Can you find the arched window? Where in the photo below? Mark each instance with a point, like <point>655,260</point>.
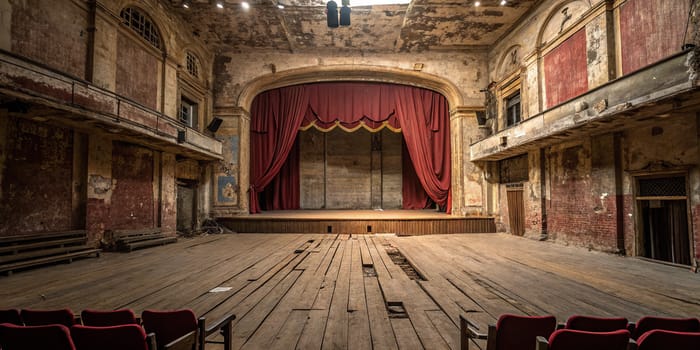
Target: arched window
<point>192,63</point>
<point>141,24</point>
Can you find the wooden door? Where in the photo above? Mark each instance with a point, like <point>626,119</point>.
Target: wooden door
<point>516,209</point>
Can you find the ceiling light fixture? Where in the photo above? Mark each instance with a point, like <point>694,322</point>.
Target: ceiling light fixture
<point>503,2</point>
<point>245,5</point>
<point>359,3</point>
<point>477,3</point>
<point>280,6</point>
<point>220,4</point>
<point>186,4</point>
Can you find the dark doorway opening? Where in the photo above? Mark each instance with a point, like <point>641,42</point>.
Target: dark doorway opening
<point>663,206</point>
<point>186,206</point>
<point>516,209</point>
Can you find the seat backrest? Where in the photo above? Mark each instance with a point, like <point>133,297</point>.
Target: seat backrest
<point>10,316</point>
<point>130,336</point>
<point>596,324</point>
<point>169,325</point>
<point>54,337</point>
<point>515,332</point>
<point>649,323</point>
<point>99,318</point>
<point>44,317</point>
<point>569,339</point>
<point>663,339</point>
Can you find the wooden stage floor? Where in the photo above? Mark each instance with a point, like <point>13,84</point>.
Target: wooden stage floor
<point>314,291</point>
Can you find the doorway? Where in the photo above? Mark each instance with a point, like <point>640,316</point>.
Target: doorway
<point>186,206</point>
<point>663,221</point>
<point>516,209</point>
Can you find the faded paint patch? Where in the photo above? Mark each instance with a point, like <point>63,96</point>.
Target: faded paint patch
<point>565,70</point>
<point>227,190</point>
<point>99,185</point>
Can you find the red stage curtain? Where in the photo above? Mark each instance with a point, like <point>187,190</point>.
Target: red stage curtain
<point>424,118</point>
<point>420,114</point>
<point>276,117</point>
<point>412,193</point>
<point>282,193</point>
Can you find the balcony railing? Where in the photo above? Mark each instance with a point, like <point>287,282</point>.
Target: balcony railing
<point>604,105</point>
<point>33,81</point>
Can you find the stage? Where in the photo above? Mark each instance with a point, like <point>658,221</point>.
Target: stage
<point>399,222</point>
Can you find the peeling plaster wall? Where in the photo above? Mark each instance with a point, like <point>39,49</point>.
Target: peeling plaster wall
<point>168,193</point>
<point>674,142</point>
<point>234,71</point>
<point>581,209</point>
<point>36,164</point>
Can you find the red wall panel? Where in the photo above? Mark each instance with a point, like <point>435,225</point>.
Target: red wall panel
<point>137,72</point>
<point>132,198</point>
<point>566,70</point>
<point>55,38</point>
<point>36,179</point>
<point>650,30</point>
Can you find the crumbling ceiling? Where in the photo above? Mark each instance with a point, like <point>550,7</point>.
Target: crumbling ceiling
<point>421,25</point>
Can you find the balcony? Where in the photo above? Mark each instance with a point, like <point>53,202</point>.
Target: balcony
<point>667,88</point>
<point>55,97</point>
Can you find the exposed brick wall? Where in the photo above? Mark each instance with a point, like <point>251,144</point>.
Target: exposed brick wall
<point>579,211</point>
<point>36,182</point>
<point>566,70</point>
<point>132,197</point>
<point>650,30</point>
<point>137,72</point>
<point>53,33</point>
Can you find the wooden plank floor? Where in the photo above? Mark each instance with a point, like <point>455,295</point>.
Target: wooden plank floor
<point>320,291</point>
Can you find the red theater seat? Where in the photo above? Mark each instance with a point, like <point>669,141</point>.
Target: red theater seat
<point>98,318</point>
<point>511,332</point>
<point>569,339</point>
<point>54,337</point>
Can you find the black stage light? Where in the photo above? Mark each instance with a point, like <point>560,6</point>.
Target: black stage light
<point>332,14</point>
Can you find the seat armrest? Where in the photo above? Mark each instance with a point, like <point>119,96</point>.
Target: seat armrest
<point>151,341</point>
<point>226,320</point>
<point>185,342</point>
<point>561,325</point>
<point>225,325</point>
<point>632,345</point>
<point>541,343</point>
<point>470,329</point>
<point>467,331</point>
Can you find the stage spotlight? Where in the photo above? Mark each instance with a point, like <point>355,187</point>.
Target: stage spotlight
<point>345,13</point>
<point>332,14</point>
<point>186,4</point>
<point>220,4</point>
<point>477,3</point>
<point>503,2</point>
<point>245,5</point>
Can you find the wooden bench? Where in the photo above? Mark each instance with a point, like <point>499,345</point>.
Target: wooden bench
<point>128,240</point>
<point>21,251</point>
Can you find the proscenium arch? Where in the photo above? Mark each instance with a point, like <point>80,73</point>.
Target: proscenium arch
<point>366,73</point>
<point>350,73</point>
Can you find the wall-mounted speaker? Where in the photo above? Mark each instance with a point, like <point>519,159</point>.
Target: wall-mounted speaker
<point>215,124</point>
<point>180,136</point>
